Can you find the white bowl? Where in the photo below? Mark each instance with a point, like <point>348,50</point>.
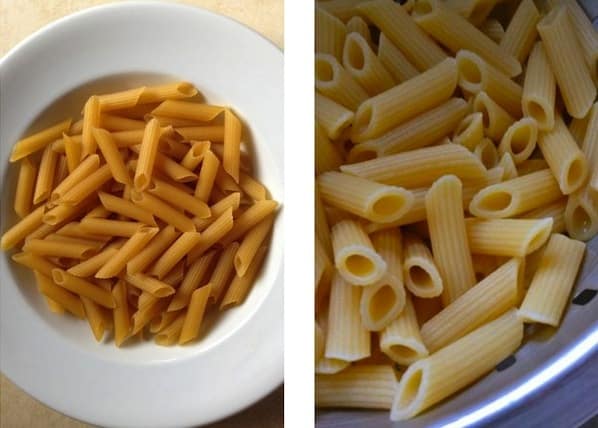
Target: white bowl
<point>56,359</point>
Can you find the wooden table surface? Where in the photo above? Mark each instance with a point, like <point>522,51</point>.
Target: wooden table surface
<point>18,19</point>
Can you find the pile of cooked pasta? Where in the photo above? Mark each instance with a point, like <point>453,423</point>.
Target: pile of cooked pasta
<point>141,216</point>
<point>449,173</point>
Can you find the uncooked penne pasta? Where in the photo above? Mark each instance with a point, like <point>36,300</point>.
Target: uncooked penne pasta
<point>496,119</point>
<point>516,196</point>
<point>152,285</point>
<point>83,288</point>
<point>429,380</point>
<point>347,338</point>
<point>223,271</point>
<point>567,61</point>
<point>95,318</point>
<point>333,81</point>
<point>38,141</point>
<point>539,89</point>
<point>581,215</point>
<point>91,119</point>
<point>170,335</point>
<point>25,187</point>
<point>24,227</point>
<point>112,156</point>
<point>72,150</point>
<point>394,60</point>
<point>67,300</point>
<point>470,130</point>
<point>354,255</point>
<point>421,275</point>
<point>90,266</point>
<point>330,33</point>
<point>147,155</point>
<point>83,189</point>
<point>448,236</point>
<point>178,198</point>
<point>179,249</point>
<point>219,229</point>
<point>195,314</point>
<point>250,245</point>
<point>521,32</point>
<point>163,211</point>
<point>213,133</point>
<point>126,208</point>
<point>240,285</point>
<point>193,279</point>
<point>389,109</point>
<point>566,161</point>
<point>207,175</point>
<point>252,216</point>
<point>45,175</point>
<point>396,24</point>
<point>195,154</point>
<point>84,169</point>
<point>133,246</point>
<point>365,67</point>
<point>122,320</point>
<point>332,117</point>
<point>368,199</point>
<point>551,285</point>
<point>519,140</point>
<point>101,226</point>
<point>231,156</point>
<point>457,33</point>
<point>363,386</point>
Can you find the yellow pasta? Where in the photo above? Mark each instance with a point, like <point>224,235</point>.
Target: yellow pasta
<point>552,283</point>
<point>112,156</point>
<point>72,150</point>
<point>83,189</point>
<point>133,245</point>
<point>163,211</point>
<point>24,227</point>
<point>83,288</point>
<point>45,175</point>
<point>507,163</point>
<point>519,140</point>
<point>476,11</point>
<point>586,35</point>
<point>207,175</point>
<point>101,226</point>
<point>122,320</point>
<point>493,29</point>
<point>46,247</point>
<point>567,61</point>
<point>64,298</point>
<point>152,285</point>
<point>421,275</point>
<point>252,216</point>
<point>147,155</point>
<point>91,119</point>
<point>521,32</point>
<point>554,210</point>
<point>496,119</point>
<point>178,198</point>
<point>25,187</point>
<point>486,152</point>
<point>193,279</point>
<point>470,131</point>
<point>332,117</point>
<point>126,208</point>
<point>394,60</point>
<point>581,215</point>
<point>232,144</point>
<point>330,33</point>
<point>250,244</point>
<point>80,173</point>
<point>90,266</point>
<point>239,287</point>
<point>456,33</point>
<point>195,313</point>
<point>334,82</point>
<point>38,141</point>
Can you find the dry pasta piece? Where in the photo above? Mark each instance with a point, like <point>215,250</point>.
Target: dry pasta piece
<point>45,247</point>
<point>551,285</point>
<point>111,122</point>
<point>214,233</point>
<point>35,263</point>
<point>195,155</point>
<point>122,320</point>
<point>133,245</point>
<point>112,156</point>
<point>90,266</point>
<point>38,141</point>
<point>45,175</point>
<point>586,34</point>
<point>126,208</point>
<point>250,244</point>
<point>581,215</point>
<point>448,236</point>
<point>252,216</point>
<point>330,33</point>
<point>72,150</point>
<point>80,173</point>
<point>231,201</point>
<point>394,60</point>
<point>193,279</point>
<point>25,187</point>
<point>188,110</point>
<point>521,32</point>
<point>419,269</point>
<point>493,29</point>
<point>333,81</point>
<point>179,249</point>
<point>24,227</point>
<point>81,190</point>
<point>170,335</point>
<point>432,379</point>
<point>207,176</point>
<point>91,119</point>
<point>333,118</point>
<point>83,288</point>
<point>195,314</point>
<point>95,318</point>
<point>223,271</point>
<point>163,211</point>
<point>101,226</point>
<point>178,198</point>
<point>475,11</point>
<point>67,300</point>
<point>147,155</point>
<point>213,133</point>
<point>152,285</point>
<point>231,156</point>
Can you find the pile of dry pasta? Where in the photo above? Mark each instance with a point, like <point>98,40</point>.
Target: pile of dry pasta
<point>448,171</point>
<point>141,214</point>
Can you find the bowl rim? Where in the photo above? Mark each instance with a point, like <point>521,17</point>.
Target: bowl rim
<point>269,383</point>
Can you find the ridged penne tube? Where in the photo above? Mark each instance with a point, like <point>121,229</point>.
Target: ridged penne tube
<point>322,227</point>
<point>231,155</point>
<point>539,89</point>
<point>566,161</point>
<point>531,165</point>
<point>25,187</point>
<point>333,81</point>
<point>365,67</point>
<point>421,131</point>
<point>120,100</point>
<point>121,316</point>
<point>91,119</point>
<point>175,253</point>
<point>163,211</point>
<point>147,312</point>
<point>130,248</point>
<point>213,234</point>
<point>147,155</point>
<point>420,167</point>
<point>188,110</point>
<point>84,169</point>
<point>223,270</point>
<point>159,244</point>
<point>173,149</point>
<point>401,340</point>
<point>521,32</point>
<point>328,366</point>
<point>252,188</point>
<point>213,133</point>
<point>168,91</point>
<point>395,61</point>
<point>35,263</point>
<point>178,198</point>
<point>90,266</point>
<point>363,386</point>
<point>368,199</point>
<point>389,109</point>
<point>432,379</point>
<point>101,226</point>
<point>551,285</point>
<point>83,288</point>
<point>477,75</point>
<point>520,139</point>
<point>95,318</point>
<point>24,227</point>
<point>470,130</point>
<point>126,208</point>
<point>252,216</point>
<point>332,117</point>
<point>330,33</point>
<point>195,154</point>
<point>444,208</point>
<point>194,278</point>
<point>398,26</point>
<point>207,175</point>
<point>419,269</point>
<point>111,122</point>
<point>567,61</point>
<point>38,141</point>
<point>240,285</point>
<point>456,33</point>
<point>152,285</point>
<point>170,335</point>
<point>72,150</point>
<point>357,25</point>
<point>581,215</point>
<point>70,302</point>
<point>384,300</point>
<point>112,156</point>
<point>475,11</point>
<point>231,201</point>
<point>496,119</point>
<point>194,315</point>
<point>507,237</point>
<point>163,320</point>
<point>586,34</point>
<point>354,255</point>
<point>493,29</point>
<point>45,175</point>
<point>554,210</point>
<point>516,196</point>
<point>81,190</point>
<point>250,245</point>
<point>342,9</point>
<point>347,338</point>
<point>486,152</point>
<point>507,163</point>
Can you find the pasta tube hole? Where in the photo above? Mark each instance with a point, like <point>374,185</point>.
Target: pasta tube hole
<point>536,111</point>
<point>470,71</point>
<point>382,302</point>
<point>355,56</point>
<point>582,221</point>
<point>420,277</point>
<point>186,89</point>
<point>359,265</point>
<point>422,8</point>
<point>404,353</point>
<point>520,140</point>
<point>363,117</point>
<point>387,205</point>
<point>141,181</point>
<point>496,201</point>
<point>465,124</point>
<point>58,276</point>
<point>324,71</point>
<point>575,174</point>
<point>411,388</point>
<point>362,155</point>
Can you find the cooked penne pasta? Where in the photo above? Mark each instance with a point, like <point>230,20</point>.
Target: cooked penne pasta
<point>493,29</point>
<point>581,215</point>
<point>586,35</point>
<point>539,89</point>
<point>486,152</point>
<point>507,163</point>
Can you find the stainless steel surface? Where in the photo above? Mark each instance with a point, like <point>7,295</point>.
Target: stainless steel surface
<point>553,383</point>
